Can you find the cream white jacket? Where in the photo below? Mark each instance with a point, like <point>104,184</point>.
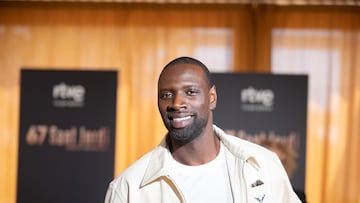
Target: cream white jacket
<point>256,175</point>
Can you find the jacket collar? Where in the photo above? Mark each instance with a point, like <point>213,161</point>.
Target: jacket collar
<point>242,149</point>
<point>156,167</point>
<point>159,157</point>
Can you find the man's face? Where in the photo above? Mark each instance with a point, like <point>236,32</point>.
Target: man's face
<point>185,101</point>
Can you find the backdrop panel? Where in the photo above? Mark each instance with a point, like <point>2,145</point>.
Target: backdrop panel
<point>67,135</point>
<point>267,109</point>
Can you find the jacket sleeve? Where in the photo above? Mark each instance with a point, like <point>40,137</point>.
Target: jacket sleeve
<point>117,191</point>
<point>289,193</point>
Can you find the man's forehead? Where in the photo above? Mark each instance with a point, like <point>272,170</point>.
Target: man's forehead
<point>183,69</point>
<point>183,74</point>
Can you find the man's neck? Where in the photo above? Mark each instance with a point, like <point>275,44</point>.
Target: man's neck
<point>199,151</point>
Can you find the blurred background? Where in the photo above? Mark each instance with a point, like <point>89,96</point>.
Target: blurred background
<point>137,38</point>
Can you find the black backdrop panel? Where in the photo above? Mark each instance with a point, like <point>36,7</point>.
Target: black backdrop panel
<point>67,135</point>
<point>259,106</point>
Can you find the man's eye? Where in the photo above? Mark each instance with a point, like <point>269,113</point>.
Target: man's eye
<point>192,92</point>
<point>166,95</point>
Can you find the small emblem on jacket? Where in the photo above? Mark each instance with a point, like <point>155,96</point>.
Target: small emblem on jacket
<point>257,183</point>
<point>260,198</point>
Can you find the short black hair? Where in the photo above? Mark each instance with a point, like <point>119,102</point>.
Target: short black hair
<point>189,60</point>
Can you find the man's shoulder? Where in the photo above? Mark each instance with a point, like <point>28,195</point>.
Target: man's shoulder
<point>244,149</point>
<point>237,142</point>
<point>135,171</point>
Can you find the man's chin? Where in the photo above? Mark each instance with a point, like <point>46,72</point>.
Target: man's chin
<point>179,134</point>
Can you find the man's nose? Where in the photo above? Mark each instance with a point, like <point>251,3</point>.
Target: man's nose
<point>178,102</point>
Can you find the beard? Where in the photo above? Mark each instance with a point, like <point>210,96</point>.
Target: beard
<point>188,133</point>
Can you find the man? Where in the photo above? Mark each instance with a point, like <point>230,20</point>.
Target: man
<point>196,161</point>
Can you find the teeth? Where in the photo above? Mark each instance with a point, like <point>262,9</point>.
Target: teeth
<point>181,119</point>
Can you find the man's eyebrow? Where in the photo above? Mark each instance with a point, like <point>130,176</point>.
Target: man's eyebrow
<point>165,90</point>
<point>193,85</point>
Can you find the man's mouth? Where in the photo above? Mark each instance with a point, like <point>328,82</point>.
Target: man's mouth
<point>181,122</point>
<point>181,119</point>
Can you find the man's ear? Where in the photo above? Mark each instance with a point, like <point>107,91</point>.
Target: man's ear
<point>213,97</point>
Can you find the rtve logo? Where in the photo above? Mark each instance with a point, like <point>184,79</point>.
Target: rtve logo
<point>257,99</point>
<point>68,95</point>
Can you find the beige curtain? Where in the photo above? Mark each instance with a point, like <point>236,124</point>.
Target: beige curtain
<point>325,44</point>
<point>138,39</point>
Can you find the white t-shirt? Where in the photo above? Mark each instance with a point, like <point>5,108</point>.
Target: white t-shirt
<point>205,183</point>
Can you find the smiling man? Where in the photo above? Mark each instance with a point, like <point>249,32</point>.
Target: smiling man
<point>196,161</point>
